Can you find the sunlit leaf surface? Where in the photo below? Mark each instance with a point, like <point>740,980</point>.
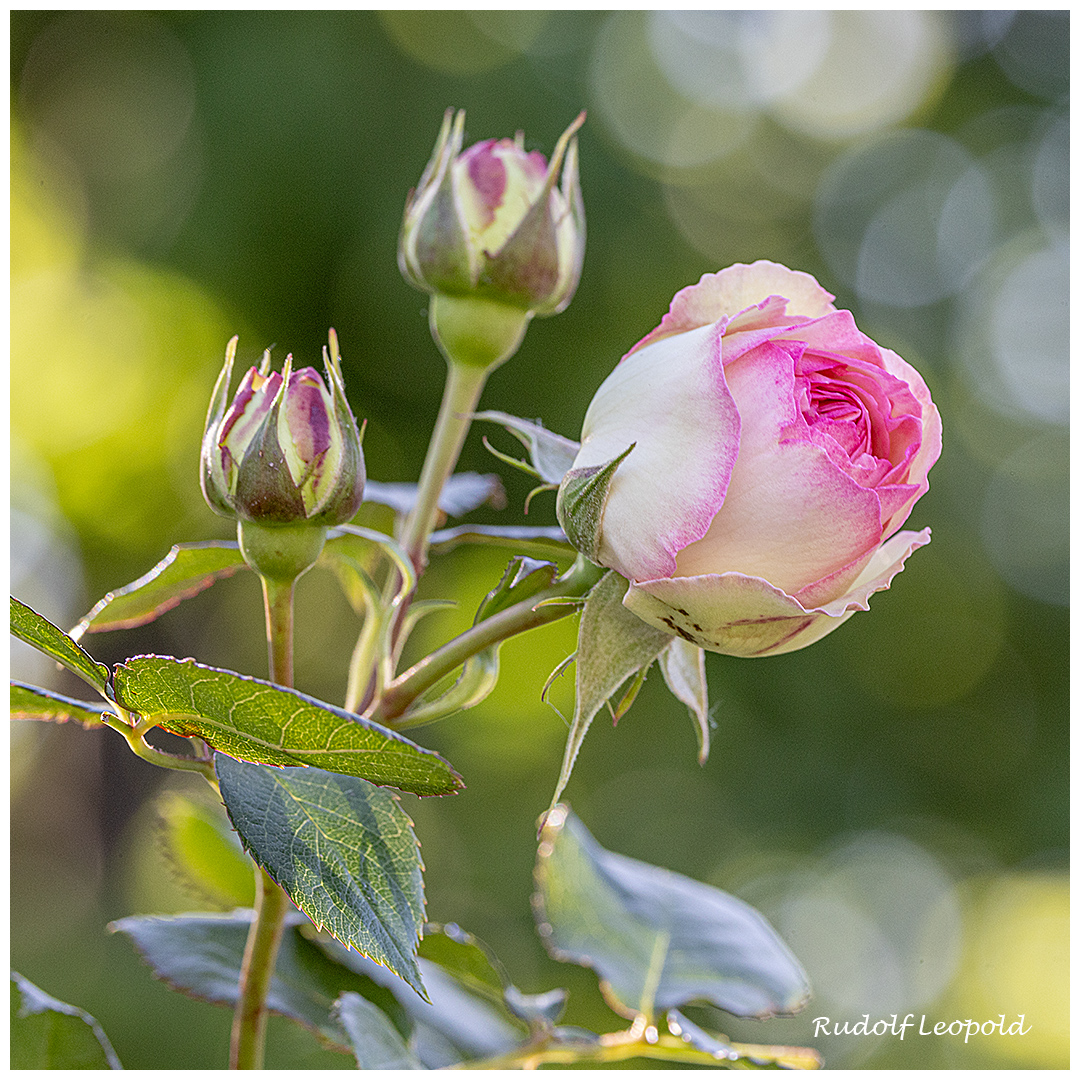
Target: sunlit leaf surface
<point>258,721</point>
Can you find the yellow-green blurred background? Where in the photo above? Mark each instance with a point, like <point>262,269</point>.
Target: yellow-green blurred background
<point>894,799</point>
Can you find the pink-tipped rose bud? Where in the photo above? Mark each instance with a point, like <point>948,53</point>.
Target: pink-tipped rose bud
<point>286,450</point>
<point>776,451</point>
<point>490,222</point>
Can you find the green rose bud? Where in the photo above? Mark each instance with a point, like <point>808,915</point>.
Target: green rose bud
<point>491,223</point>
<point>494,240</point>
<point>286,450</point>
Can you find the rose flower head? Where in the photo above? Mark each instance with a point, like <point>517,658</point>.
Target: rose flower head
<point>285,450</point>
<point>491,222</point>
<point>776,451</point>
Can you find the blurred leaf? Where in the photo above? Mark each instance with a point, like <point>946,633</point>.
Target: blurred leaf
<point>186,571</point>
<point>541,541</point>
<point>523,578</point>
<point>205,852</point>
<point>657,939</point>
<point>342,849</point>
<point>741,1055</point>
<point>32,703</point>
<point>472,963</point>
<point>683,666</point>
<point>258,721</point>
<point>376,1043</point>
<point>36,630</point>
<point>452,1026</point>
<point>537,1009</point>
<point>353,553</point>
<point>48,1034</point>
<point>613,644</point>
<point>461,493</point>
<point>461,955</point>
<point>551,455</point>
<point>201,955</point>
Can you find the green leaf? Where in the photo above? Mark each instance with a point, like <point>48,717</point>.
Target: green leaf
<point>463,956</point>
<point>36,630</point>
<point>580,504</point>
<point>524,577</point>
<point>613,644</point>
<point>541,541</point>
<point>201,955</point>
<point>454,1025</point>
<point>186,571</point>
<point>657,939</point>
<point>258,721</point>
<point>354,552</point>
<point>204,852</point>
<point>33,703</point>
<point>376,1043</point>
<point>552,455</point>
<point>683,666</point>
<point>475,967</point>
<point>342,849</point>
<point>462,493</point>
<point>48,1034</point>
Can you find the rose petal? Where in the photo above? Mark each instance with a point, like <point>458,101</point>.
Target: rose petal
<point>666,493</point>
<point>738,288</point>
<point>746,616</point>
<point>790,515</point>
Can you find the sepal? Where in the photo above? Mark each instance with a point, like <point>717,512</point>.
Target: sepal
<point>579,506</point>
<point>613,646</point>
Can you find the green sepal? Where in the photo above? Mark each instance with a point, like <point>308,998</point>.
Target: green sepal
<point>613,645</point>
<point>682,664</point>
<point>579,506</point>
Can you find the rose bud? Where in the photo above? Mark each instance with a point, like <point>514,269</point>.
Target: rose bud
<point>490,234</point>
<point>286,450</point>
<point>769,452</point>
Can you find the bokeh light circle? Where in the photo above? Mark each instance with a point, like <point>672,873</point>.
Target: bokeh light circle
<point>904,219</point>
<point>1011,331</point>
<point>643,110</point>
<point>877,68</point>
<point>1025,518</point>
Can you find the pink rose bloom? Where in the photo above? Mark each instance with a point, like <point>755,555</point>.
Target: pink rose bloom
<point>777,452</point>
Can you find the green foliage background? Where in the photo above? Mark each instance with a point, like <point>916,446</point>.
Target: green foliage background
<point>181,176</point>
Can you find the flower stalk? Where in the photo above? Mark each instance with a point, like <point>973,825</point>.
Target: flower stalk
<point>461,394</point>
<point>248,1042</point>
<point>538,610</point>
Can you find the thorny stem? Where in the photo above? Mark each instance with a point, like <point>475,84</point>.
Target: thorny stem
<point>248,1041</point>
